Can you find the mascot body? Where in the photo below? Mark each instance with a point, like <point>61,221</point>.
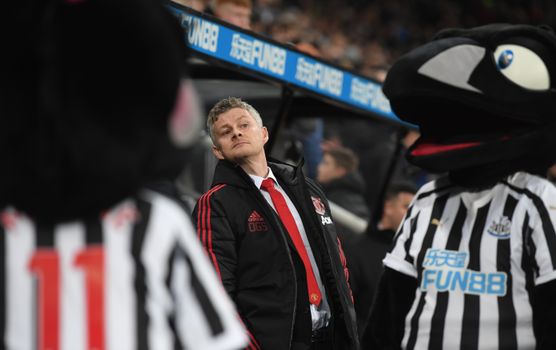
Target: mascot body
<point>94,108</point>
<point>474,262</point>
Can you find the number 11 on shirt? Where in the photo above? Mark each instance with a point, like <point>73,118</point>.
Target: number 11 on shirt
<point>45,265</point>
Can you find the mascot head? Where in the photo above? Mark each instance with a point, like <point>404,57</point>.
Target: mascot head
<point>484,100</point>
<point>95,104</point>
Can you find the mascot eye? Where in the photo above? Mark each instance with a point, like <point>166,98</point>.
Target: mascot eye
<point>505,59</point>
<point>522,66</point>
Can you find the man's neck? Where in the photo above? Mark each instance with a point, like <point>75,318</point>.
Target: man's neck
<point>258,167</point>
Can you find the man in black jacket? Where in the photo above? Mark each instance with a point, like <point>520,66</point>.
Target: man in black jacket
<point>365,252</point>
<point>341,181</point>
<point>269,233</point>
<point>343,185</point>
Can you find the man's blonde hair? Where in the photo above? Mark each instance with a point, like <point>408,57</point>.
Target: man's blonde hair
<point>225,105</point>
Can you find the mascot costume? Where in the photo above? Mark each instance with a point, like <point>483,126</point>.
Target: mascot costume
<point>95,106</point>
<point>473,265</point>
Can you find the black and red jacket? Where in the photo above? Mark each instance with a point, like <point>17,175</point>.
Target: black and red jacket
<point>256,259</point>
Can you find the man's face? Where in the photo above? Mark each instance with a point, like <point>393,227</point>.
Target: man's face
<point>395,209</point>
<point>238,137</point>
<point>234,14</point>
<point>328,170</point>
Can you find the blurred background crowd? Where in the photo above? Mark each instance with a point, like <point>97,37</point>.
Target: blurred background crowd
<point>368,35</point>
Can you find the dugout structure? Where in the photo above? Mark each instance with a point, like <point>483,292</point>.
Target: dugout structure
<point>280,81</point>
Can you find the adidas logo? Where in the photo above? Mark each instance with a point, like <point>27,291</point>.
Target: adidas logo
<point>256,223</point>
<point>255,217</point>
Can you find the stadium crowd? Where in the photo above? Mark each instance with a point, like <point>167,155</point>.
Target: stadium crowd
<point>369,35</point>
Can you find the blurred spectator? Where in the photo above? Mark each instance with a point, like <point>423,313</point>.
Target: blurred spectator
<point>342,183</point>
<point>551,174</point>
<point>305,138</point>
<point>384,148</point>
<point>365,252</point>
<point>375,144</point>
<point>197,5</point>
<point>332,137</point>
<point>308,48</point>
<point>398,198</point>
<point>236,12</point>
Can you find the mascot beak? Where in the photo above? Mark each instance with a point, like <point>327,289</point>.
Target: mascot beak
<point>454,66</point>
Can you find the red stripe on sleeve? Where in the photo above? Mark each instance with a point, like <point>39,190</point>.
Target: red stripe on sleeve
<point>252,342</point>
<point>346,270</point>
<point>204,219</point>
<point>199,210</point>
<point>201,215</point>
<point>207,228</point>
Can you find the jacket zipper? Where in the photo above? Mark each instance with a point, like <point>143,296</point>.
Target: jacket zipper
<point>279,226</point>
<point>294,281</point>
<point>294,289</point>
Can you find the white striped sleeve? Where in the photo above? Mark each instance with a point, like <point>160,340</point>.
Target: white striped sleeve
<point>544,233</point>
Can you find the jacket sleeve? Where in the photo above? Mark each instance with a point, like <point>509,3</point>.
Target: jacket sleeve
<point>345,267</point>
<point>394,298</point>
<point>219,242</point>
<point>217,237</point>
<point>396,290</point>
<point>544,315</point>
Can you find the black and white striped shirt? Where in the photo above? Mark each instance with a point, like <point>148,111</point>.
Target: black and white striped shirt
<point>476,256</point>
<point>135,278</point>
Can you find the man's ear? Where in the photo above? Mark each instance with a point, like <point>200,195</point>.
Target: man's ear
<point>265,135</point>
<point>217,152</point>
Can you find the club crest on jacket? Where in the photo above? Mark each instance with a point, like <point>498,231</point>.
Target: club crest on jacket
<point>319,206</point>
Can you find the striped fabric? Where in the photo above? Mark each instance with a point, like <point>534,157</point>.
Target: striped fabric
<point>476,256</point>
<point>134,278</point>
